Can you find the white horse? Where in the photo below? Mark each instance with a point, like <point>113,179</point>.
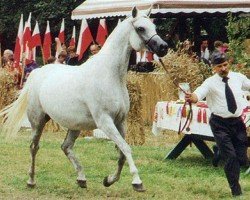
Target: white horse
<point>93,95</point>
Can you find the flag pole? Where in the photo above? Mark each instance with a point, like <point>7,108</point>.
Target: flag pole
<point>23,66</point>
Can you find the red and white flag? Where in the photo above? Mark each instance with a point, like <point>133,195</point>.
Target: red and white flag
<point>102,32</point>
<point>18,45</point>
<point>73,37</point>
<point>61,35</point>
<point>85,39</point>
<point>27,33</point>
<point>35,40</point>
<point>47,43</point>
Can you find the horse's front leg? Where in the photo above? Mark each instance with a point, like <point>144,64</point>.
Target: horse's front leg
<point>109,180</point>
<point>67,148</point>
<point>107,125</point>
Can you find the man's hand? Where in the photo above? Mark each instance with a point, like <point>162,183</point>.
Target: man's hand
<point>191,97</point>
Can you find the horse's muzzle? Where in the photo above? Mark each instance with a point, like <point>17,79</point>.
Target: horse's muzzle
<point>157,46</point>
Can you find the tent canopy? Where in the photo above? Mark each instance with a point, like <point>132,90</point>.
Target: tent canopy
<point>121,8</point>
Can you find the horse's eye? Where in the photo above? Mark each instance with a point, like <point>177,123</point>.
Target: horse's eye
<point>140,29</point>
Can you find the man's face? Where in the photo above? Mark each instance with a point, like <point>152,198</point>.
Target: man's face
<point>204,43</point>
<point>222,69</point>
<point>94,49</point>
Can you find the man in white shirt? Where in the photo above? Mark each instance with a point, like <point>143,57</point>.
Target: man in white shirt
<point>226,123</point>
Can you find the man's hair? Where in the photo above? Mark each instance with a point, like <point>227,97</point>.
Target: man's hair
<point>218,43</point>
<point>218,58</point>
<point>71,48</point>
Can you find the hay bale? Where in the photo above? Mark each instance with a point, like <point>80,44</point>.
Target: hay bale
<point>184,68</point>
<point>7,88</point>
<point>135,126</point>
<point>154,87</point>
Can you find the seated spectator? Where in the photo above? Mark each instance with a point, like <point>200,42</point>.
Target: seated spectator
<point>61,58</point>
<point>72,58</point>
<point>30,65</point>
<point>51,60</point>
<point>94,49</point>
<point>8,60</point>
<point>204,54</point>
<point>218,46</point>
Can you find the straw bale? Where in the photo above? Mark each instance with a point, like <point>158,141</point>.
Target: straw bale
<point>184,68</point>
<point>135,127</point>
<point>7,88</point>
<point>154,87</point>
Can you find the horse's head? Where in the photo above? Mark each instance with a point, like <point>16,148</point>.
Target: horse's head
<point>144,34</point>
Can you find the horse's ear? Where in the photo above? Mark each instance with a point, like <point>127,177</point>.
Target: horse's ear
<point>148,12</point>
<point>134,12</point>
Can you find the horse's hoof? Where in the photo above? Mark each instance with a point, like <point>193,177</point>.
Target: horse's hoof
<point>105,182</point>
<point>138,187</point>
<point>31,185</point>
<point>82,183</point>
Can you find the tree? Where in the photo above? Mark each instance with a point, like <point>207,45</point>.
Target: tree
<point>42,11</point>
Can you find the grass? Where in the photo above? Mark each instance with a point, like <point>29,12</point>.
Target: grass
<point>190,177</point>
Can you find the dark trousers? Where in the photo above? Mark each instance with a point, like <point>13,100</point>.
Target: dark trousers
<point>231,137</point>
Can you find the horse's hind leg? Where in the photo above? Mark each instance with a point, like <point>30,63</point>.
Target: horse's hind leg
<point>67,148</point>
<point>109,180</point>
<point>34,147</point>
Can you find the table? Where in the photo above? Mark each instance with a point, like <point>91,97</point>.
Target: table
<point>167,115</point>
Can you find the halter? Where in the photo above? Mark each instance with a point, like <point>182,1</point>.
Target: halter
<point>146,42</point>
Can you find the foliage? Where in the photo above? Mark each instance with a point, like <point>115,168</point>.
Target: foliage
<point>238,31</point>
<point>188,177</point>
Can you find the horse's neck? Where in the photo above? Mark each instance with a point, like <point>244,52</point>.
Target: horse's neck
<point>117,50</point>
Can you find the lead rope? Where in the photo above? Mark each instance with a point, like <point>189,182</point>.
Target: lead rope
<point>190,113</point>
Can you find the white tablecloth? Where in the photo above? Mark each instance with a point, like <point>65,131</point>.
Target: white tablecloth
<point>167,115</point>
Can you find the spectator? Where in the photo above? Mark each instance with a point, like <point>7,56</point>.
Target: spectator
<point>94,49</point>
<point>218,46</point>
<point>72,58</point>
<point>51,60</point>
<point>61,57</point>
<point>8,60</point>
<point>30,65</point>
<point>225,100</point>
<point>204,53</point>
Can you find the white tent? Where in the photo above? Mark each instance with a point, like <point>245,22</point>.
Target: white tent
<point>112,8</point>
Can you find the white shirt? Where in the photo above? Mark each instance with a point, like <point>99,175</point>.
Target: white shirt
<point>214,90</point>
<point>205,54</point>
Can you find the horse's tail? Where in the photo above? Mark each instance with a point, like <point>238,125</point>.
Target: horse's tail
<point>14,114</point>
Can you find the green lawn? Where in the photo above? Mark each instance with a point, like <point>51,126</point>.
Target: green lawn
<point>190,177</point>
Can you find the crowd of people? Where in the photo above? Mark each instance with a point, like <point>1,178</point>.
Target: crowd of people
<point>63,55</point>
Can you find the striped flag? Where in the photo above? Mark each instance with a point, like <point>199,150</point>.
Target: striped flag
<point>73,37</point>
<point>61,35</point>
<point>47,43</point>
<point>85,39</point>
<point>27,33</point>
<point>102,32</point>
<point>18,45</point>
<point>35,40</point>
